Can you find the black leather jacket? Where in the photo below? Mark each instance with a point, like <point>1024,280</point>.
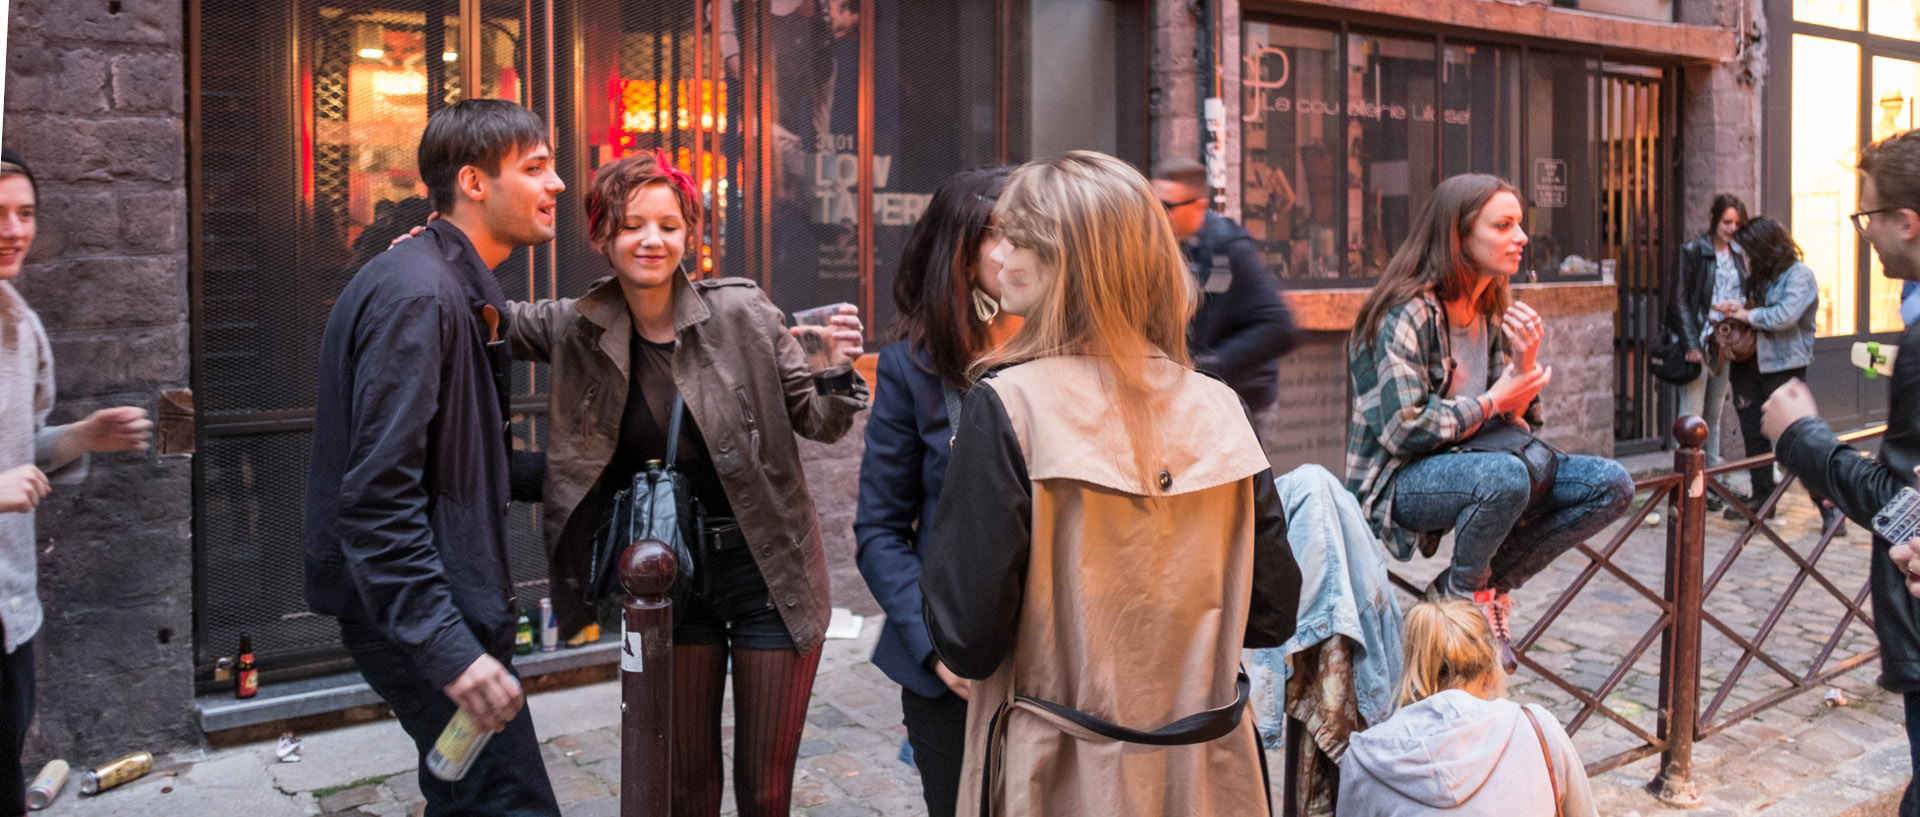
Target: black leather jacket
<point>1860,485</point>
<point>1693,296</point>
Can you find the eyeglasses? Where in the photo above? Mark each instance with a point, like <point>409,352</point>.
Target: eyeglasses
<point>1175,205</point>
<point>1860,219</point>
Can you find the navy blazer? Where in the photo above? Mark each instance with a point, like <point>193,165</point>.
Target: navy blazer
<point>900,477</point>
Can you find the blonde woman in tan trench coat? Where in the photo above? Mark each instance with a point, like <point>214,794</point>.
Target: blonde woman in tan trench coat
<point>1109,537</point>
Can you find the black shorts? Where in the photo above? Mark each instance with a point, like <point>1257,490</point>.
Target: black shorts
<point>730,603</point>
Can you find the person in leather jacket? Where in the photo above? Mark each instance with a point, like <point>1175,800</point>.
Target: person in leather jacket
<point>1859,485</point>
<point>1712,265</point>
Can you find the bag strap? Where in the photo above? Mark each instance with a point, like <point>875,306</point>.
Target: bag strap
<point>952,397</point>
<point>673,428</point>
<point>1552,781</point>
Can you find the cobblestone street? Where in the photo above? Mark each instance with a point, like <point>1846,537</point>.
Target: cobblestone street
<point>1802,757</point>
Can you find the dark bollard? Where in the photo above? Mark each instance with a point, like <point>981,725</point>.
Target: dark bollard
<point>1680,649</point>
<point>646,680</point>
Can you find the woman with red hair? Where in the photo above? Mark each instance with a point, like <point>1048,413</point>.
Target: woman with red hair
<point>645,340</point>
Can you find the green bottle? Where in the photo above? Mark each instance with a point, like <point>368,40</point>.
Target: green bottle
<point>523,637</point>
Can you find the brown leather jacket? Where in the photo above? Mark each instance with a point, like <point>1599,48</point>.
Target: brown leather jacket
<point>748,387</point>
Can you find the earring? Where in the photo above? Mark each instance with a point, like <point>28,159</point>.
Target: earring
<point>984,306</point>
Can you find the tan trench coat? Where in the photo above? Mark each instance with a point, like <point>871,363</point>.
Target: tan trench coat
<point>1135,600</point>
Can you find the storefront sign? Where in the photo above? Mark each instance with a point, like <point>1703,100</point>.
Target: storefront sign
<point>1550,182</point>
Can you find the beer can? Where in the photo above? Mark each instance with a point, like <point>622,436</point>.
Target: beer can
<point>116,772</point>
<point>456,749</point>
<point>549,627</point>
<point>47,785</point>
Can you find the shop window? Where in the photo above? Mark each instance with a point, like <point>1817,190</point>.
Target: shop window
<point>1479,119</point>
<point>1292,137</point>
<point>1562,222</point>
<point>1896,91</point>
<point>1826,139</point>
<point>1836,13</point>
<point>1391,114</point>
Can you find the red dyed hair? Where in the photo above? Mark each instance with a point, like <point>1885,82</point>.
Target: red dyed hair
<point>606,201</point>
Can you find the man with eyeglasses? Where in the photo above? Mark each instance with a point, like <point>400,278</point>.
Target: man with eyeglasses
<point>1241,329</point>
<point>1860,485</point>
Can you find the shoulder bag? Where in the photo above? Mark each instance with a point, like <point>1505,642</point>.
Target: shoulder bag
<point>655,505</point>
<point>1732,340</point>
<point>1499,435</point>
<point>1552,782</point>
<point>1667,361</point>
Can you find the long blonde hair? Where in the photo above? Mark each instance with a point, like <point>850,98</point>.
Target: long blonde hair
<point>1121,291</point>
<point>1447,645</point>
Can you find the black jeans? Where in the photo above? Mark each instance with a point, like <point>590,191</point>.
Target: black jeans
<point>937,730</point>
<point>16,713</point>
<point>509,779</point>
<point>1751,388</point>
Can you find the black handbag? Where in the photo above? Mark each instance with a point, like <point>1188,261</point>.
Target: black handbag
<point>1668,362</point>
<point>657,505</point>
<point>1499,435</point>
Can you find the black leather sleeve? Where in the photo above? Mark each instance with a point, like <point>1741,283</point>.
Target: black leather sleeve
<point>974,560</point>
<point>1858,484</point>
<point>1273,610</point>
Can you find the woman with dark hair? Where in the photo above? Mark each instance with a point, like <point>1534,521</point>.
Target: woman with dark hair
<point>1779,299</point>
<point>625,357</point>
<point>1712,269</point>
<point>1428,368</point>
<point>947,296</point>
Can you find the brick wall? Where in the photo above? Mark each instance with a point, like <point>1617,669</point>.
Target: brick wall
<point>95,104</point>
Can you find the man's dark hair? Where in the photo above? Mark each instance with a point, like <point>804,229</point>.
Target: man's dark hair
<point>479,132</point>
<point>1894,165</point>
<point>1185,171</point>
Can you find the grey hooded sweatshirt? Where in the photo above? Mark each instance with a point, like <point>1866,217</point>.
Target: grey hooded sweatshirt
<point>1456,754</point>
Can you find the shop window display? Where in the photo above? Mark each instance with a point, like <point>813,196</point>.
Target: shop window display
<point>1826,140</point>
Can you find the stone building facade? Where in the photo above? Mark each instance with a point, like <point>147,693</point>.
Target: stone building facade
<point>98,98</point>
<point>95,100</point>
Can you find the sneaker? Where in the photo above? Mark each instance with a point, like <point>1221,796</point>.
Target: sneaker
<point>1714,503</point>
<point>1497,606</point>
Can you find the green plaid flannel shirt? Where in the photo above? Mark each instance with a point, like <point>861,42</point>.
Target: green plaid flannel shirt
<point>1399,415</point>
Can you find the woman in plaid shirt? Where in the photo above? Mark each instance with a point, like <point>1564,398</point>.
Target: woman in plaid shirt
<point>1429,358</point>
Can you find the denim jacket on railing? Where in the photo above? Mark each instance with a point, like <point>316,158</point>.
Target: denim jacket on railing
<point>1343,591</point>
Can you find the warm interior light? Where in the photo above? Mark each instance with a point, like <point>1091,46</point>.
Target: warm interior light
<point>449,57</point>
<point>372,53</point>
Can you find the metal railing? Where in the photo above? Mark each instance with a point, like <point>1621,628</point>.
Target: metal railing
<point>1681,616</point>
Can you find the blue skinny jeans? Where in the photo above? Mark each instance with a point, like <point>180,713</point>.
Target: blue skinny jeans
<point>1499,540</point>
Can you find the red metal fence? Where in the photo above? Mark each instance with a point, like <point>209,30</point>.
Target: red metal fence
<point>1680,617</point>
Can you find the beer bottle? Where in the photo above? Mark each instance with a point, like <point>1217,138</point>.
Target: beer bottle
<point>523,637</point>
<point>246,677</point>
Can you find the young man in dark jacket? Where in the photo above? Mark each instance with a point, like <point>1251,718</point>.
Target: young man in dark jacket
<point>1242,328</point>
<point>407,493</point>
<point>1860,485</point>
